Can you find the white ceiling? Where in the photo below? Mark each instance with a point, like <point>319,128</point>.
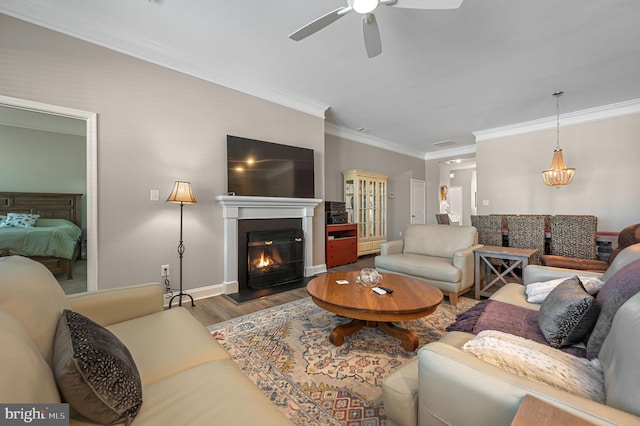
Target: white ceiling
<point>442,74</point>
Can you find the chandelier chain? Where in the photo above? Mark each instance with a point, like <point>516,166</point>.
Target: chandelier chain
<point>558,173</point>
<point>557,95</point>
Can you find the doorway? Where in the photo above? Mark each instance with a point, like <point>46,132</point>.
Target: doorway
<point>90,120</point>
<point>455,204</point>
<point>417,202</point>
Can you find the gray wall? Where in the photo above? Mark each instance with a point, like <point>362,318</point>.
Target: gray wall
<point>155,126</point>
<point>342,154</point>
<point>604,153</point>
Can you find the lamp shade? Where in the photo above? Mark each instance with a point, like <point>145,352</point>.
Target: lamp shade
<point>182,193</point>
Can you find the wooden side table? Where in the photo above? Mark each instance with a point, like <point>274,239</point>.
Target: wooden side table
<point>484,267</point>
<point>341,244</point>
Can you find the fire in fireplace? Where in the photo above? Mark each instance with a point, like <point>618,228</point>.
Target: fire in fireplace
<point>264,263</point>
<point>274,257</point>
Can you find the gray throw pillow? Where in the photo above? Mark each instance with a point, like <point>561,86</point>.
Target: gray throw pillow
<point>622,285</point>
<point>95,371</point>
<point>568,314</point>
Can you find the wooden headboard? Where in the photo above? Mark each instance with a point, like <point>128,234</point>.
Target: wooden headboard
<point>47,205</point>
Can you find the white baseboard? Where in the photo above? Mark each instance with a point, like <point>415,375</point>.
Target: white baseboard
<point>218,289</point>
<point>317,269</point>
<point>199,293</point>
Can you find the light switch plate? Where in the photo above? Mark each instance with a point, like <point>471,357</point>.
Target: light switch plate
<point>155,195</point>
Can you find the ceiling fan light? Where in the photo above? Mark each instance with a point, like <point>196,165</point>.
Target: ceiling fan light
<point>365,6</point>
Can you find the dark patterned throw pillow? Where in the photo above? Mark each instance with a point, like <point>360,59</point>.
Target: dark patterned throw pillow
<point>568,314</point>
<point>95,371</point>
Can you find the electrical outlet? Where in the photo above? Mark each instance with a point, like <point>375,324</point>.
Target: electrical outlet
<point>164,271</point>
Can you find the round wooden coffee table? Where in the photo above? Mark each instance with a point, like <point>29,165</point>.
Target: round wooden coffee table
<point>411,299</point>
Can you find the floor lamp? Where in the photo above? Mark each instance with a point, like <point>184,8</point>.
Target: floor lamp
<point>181,194</point>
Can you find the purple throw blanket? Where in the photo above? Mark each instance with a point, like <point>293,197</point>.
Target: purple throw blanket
<point>505,317</point>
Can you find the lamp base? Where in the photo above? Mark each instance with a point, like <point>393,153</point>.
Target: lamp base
<point>180,295</point>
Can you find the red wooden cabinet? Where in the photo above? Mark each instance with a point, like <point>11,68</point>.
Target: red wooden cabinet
<point>341,244</point>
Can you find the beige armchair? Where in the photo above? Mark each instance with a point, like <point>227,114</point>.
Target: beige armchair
<point>439,255</point>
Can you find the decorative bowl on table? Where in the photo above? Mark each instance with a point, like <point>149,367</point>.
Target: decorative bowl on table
<point>369,277</point>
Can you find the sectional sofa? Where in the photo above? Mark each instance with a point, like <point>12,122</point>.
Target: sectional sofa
<point>117,356</point>
<point>447,385</point>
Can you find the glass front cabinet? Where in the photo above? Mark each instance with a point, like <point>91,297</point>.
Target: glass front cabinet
<point>365,197</point>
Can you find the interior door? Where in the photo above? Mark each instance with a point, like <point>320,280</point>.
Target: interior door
<point>418,213</point>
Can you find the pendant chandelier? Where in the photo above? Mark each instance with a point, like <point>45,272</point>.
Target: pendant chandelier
<point>558,173</point>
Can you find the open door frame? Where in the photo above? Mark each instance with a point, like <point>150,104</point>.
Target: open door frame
<point>91,119</point>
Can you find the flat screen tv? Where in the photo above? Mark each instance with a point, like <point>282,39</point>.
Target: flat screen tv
<point>267,169</point>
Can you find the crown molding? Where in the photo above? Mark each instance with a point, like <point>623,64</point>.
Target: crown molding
<point>44,14</point>
<point>448,153</point>
<point>577,117</point>
<point>354,135</point>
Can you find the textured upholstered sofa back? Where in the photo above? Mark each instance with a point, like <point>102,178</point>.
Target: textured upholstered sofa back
<point>438,240</point>
<point>625,257</point>
<point>619,358</point>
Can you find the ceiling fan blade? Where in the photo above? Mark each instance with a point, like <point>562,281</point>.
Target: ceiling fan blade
<point>425,4</point>
<point>371,33</point>
<point>319,23</point>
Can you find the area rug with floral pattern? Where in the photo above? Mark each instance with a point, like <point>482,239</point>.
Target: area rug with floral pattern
<point>286,351</point>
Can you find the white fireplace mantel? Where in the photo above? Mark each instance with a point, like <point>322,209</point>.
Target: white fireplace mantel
<point>236,208</point>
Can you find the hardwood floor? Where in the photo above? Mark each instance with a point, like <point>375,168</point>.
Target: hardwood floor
<point>221,308</point>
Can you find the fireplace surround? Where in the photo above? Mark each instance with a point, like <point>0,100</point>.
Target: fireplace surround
<point>239,208</point>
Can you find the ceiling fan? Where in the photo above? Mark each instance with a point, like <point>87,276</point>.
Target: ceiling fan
<point>370,30</point>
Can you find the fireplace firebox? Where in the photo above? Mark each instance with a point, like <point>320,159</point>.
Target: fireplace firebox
<point>274,257</point>
<point>271,256</point>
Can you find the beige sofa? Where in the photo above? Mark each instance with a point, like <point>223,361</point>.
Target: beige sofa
<point>444,385</point>
<point>440,255</point>
<point>187,377</point>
